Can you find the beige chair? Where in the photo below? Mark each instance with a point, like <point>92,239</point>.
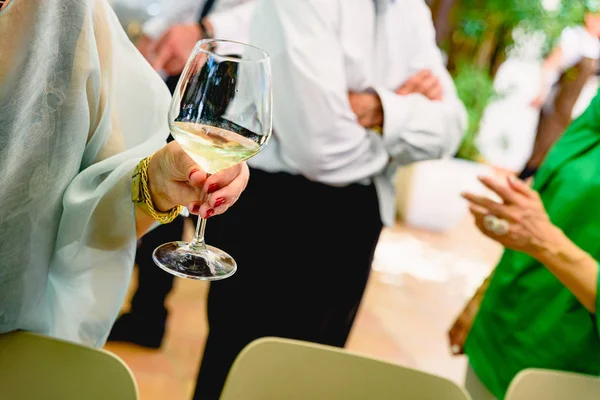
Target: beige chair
<point>533,384</point>
<point>282,369</point>
<point>38,367</point>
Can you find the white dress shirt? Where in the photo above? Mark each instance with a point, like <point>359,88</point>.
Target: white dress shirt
<point>576,43</point>
<point>230,18</point>
<point>322,49</point>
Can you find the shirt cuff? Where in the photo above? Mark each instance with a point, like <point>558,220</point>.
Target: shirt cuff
<point>395,110</point>
<point>417,129</point>
<point>155,27</point>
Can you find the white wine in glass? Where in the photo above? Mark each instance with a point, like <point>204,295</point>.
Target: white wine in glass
<point>213,148</point>
<point>220,115</point>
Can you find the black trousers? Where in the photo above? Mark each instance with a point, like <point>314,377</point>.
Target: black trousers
<point>304,253</point>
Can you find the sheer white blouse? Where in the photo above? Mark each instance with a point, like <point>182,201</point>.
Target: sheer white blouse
<point>79,107</point>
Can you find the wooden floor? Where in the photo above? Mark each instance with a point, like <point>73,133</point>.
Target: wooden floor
<point>420,281</point>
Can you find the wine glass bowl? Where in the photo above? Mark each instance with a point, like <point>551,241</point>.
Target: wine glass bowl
<point>220,115</point>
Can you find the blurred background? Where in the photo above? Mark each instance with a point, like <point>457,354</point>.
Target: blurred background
<point>495,51</point>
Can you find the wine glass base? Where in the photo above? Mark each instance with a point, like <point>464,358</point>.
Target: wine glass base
<point>209,264</point>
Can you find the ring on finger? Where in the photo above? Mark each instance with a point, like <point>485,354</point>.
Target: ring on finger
<point>497,226</point>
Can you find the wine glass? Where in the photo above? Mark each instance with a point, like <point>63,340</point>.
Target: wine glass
<point>220,115</point>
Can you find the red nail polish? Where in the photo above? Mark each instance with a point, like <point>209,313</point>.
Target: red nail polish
<point>209,213</point>
<point>213,188</point>
<point>192,173</point>
<point>220,201</point>
<point>196,209</point>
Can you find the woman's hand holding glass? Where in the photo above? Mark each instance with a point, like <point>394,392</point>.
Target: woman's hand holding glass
<point>220,116</point>
<point>175,179</point>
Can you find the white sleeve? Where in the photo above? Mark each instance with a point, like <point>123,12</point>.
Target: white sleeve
<point>415,128</point>
<point>80,108</point>
<point>570,43</point>
<point>234,23</point>
<point>317,130</point>
<point>173,12</point>
<point>95,244</point>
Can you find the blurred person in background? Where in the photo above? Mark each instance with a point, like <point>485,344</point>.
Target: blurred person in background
<point>539,307</point>
<point>165,31</point>
<point>85,167</point>
<point>168,39</point>
<point>167,42</point>
<point>564,74</point>
<point>360,88</point>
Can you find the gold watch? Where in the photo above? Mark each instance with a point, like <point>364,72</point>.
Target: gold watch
<point>140,195</point>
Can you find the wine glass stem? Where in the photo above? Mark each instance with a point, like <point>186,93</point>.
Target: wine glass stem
<point>197,242</point>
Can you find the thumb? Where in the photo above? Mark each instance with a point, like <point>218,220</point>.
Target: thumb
<point>195,175</point>
<point>184,168</point>
<point>406,87</point>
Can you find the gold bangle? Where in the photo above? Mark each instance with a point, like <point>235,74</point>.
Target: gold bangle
<point>140,195</point>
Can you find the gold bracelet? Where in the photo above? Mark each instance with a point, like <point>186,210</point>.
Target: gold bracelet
<point>140,195</point>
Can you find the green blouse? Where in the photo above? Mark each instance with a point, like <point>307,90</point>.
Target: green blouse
<point>527,317</point>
